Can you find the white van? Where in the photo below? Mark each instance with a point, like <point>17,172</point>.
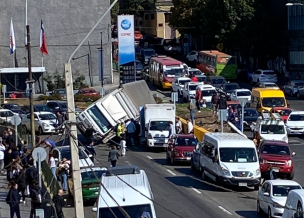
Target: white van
<point>127,186</point>
<point>227,158</point>
<point>294,206</point>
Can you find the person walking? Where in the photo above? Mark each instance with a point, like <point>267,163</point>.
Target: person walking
<point>171,129</point>
<point>60,120</point>
<point>215,102</point>
<point>31,174</point>
<point>49,144</point>
<point>198,98</point>
<point>64,167</point>
<point>123,145</point>
<point>2,151</point>
<point>59,202</point>
<point>21,180</point>
<point>178,126</point>
<point>13,200</point>
<point>113,156</point>
<point>189,126</point>
<point>91,150</point>
<point>89,134</point>
<point>52,164</point>
<point>36,199</point>
<point>131,130</point>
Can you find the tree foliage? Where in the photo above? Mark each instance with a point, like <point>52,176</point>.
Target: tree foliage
<point>114,12</point>
<point>136,7</point>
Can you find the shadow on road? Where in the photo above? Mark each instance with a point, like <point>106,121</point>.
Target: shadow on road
<point>247,214</point>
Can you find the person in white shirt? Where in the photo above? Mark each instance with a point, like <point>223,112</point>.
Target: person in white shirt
<point>189,126</point>
<point>179,126</point>
<point>171,129</point>
<point>2,150</point>
<point>52,164</point>
<point>123,145</point>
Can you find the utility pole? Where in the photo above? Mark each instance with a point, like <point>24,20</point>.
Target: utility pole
<point>78,201</point>
<point>101,77</point>
<point>31,83</point>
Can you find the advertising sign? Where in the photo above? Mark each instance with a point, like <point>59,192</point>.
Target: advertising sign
<point>126,48</point>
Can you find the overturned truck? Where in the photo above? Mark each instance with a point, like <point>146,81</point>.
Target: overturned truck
<point>115,107</point>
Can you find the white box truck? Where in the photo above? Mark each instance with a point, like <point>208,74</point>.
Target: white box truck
<point>156,123</point>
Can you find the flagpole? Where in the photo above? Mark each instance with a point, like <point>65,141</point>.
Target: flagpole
<point>41,59</point>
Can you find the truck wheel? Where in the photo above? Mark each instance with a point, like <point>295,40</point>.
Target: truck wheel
<point>290,176</point>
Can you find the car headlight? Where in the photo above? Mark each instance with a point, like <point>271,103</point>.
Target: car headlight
<point>285,139</point>
<point>289,163</point>
<point>225,171</point>
<point>258,172</point>
<point>45,125</point>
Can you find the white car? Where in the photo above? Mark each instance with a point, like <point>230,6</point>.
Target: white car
<point>190,90</point>
<point>192,56</point>
<point>264,76</point>
<point>266,85</point>
<point>243,93</point>
<point>6,115</point>
<point>293,87</point>
<point>194,71</point>
<point>295,123</point>
<point>207,92</point>
<point>178,84</point>
<point>273,130</point>
<point>273,195</point>
<point>45,122</point>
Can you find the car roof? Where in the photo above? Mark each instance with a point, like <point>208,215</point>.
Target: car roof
<point>193,69</point>
<point>297,112</point>
<point>299,192</point>
<point>92,168</point>
<point>283,182</point>
<point>194,83</point>
<point>43,112</point>
<point>206,86</point>
<point>240,90</point>
<point>227,84</point>
<point>184,78</point>
<point>5,110</point>
<point>201,75</point>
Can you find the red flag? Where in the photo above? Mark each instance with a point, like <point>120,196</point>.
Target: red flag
<point>43,47</point>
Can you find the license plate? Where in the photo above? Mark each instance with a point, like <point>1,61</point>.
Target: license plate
<point>276,170</point>
<point>243,184</point>
<point>96,193</point>
<point>188,158</point>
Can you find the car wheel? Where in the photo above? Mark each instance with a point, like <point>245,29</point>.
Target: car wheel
<point>172,160</point>
<point>259,210</point>
<point>290,176</point>
<point>40,130</point>
<point>269,213</point>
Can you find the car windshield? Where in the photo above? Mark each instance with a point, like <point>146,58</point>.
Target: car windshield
<point>63,105</point>
<point>133,211</point>
<point>283,190</point>
<point>192,87</point>
<point>207,92</point>
<point>218,81</point>
<point>272,129</point>
<point>47,117</point>
<point>66,153</point>
<point>182,82</point>
<point>231,87</point>
<point>195,72</point>
<point>149,53</point>
<point>6,114</point>
<point>186,141</point>
<point>172,72</point>
<point>250,113</point>
<point>273,102</point>
<point>243,93</point>
<point>159,125</point>
<point>88,175</point>
<point>99,119</point>
<point>238,155</point>
<point>201,78</point>
<point>296,117</point>
<point>270,85</point>
<point>41,108</point>
<point>15,107</point>
<point>275,149</point>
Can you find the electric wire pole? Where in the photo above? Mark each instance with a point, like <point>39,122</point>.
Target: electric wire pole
<point>31,84</point>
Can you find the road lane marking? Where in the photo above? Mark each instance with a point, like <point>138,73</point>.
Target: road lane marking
<point>127,162</point>
<point>223,209</point>
<point>171,172</point>
<point>150,157</point>
<point>197,191</point>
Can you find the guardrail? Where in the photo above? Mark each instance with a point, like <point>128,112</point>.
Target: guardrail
<point>236,130</point>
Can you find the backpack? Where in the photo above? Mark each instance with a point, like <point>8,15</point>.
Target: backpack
<point>36,196</point>
<point>31,174</point>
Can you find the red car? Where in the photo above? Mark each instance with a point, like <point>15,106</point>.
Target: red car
<point>277,154</point>
<point>88,92</point>
<point>138,35</point>
<point>283,111</point>
<point>180,148</point>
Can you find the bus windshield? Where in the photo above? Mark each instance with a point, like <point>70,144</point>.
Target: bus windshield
<point>174,72</point>
<point>273,102</point>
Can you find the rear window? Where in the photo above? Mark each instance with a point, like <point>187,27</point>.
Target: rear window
<point>186,141</point>
<point>207,92</point>
<point>269,73</point>
<point>243,93</point>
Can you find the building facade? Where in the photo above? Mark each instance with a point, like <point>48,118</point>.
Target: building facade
<point>66,23</point>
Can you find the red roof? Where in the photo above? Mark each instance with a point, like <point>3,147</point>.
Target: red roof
<point>167,60</point>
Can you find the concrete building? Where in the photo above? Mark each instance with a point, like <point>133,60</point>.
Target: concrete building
<point>66,23</point>
<point>156,22</point>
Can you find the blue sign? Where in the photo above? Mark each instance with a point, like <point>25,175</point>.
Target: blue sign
<point>125,24</point>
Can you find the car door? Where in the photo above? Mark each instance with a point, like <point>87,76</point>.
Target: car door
<point>174,85</point>
<point>263,203</point>
<point>196,155</point>
<point>185,92</point>
<point>36,118</point>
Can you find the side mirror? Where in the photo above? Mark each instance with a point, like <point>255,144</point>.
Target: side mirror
<point>56,108</point>
<point>90,155</point>
<point>266,194</point>
<point>36,119</point>
<point>94,209</point>
<point>293,153</point>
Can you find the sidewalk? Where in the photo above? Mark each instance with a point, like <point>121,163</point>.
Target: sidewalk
<point>4,207</point>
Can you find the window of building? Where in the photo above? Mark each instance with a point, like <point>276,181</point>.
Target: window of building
<point>152,17</point>
<point>160,25</point>
<point>167,17</point>
<point>146,16</point>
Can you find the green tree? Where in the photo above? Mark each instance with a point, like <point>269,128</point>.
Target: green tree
<point>114,12</point>
<point>48,78</point>
<point>59,80</point>
<point>79,81</point>
<point>136,7</point>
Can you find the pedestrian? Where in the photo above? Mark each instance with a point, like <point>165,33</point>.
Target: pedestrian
<point>10,138</point>
<point>89,134</point>
<point>194,78</point>
<point>191,108</point>
<point>178,126</point>
<point>22,184</point>
<point>60,121</point>
<point>52,164</point>
<point>64,167</point>
<point>31,174</point>
<point>36,199</point>
<point>59,202</point>
<point>137,132</point>
<point>131,130</point>
<point>13,174</point>
<point>198,98</point>
<point>118,132</point>
<point>113,156</point>
<point>7,161</point>
<point>214,102</point>
<point>272,174</point>
<point>49,144</point>
<point>2,151</point>
<point>123,145</point>
<point>5,136</point>
<point>13,200</point>
<point>171,129</point>
<point>190,127</point>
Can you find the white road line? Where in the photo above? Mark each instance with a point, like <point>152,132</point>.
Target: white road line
<point>223,209</point>
<point>127,162</point>
<point>197,191</point>
<point>171,172</point>
<point>150,157</point>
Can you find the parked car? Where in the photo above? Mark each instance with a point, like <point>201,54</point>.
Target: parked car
<point>250,115</point>
<point>283,111</point>
<point>13,107</point>
<point>300,93</point>
<point>266,85</point>
<point>180,148</point>
<point>178,84</point>
<point>61,92</point>
<point>295,123</point>
<point>90,182</point>
<point>292,87</point>
<point>264,76</point>
<point>61,107</point>
<point>88,92</point>
<point>216,81</point>
<point>37,108</point>
<point>137,35</point>
<point>229,87</point>
<point>6,115</point>
<point>60,152</point>
<point>294,204</point>
<point>276,153</point>
<point>45,122</point>
<point>192,56</point>
<point>273,195</point>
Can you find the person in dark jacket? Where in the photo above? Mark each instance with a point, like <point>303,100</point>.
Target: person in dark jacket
<point>113,156</point>
<point>15,153</point>
<point>22,184</point>
<point>214,102</point>
<point>13,200</point>
<point>36,198</point>
<point>31,174</point>
<point>59,202</point>
<point>222,103</point>
<point>89,134</point>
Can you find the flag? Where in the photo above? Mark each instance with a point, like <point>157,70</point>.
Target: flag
<point>12,38</point>
<point>43,47</point>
